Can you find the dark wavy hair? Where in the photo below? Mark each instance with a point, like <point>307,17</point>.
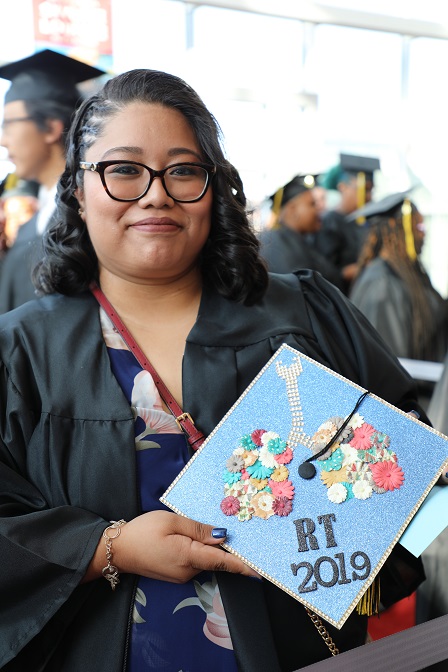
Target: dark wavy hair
<point>386,239</point>
<point>230,259</point>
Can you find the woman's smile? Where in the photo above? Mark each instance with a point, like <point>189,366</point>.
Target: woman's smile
<point>156,225</point>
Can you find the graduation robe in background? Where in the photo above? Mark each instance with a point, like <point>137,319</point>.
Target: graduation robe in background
<point>287,251</point>
<point>16,286</point>
<point>384,298</point>
<point>67,467</point>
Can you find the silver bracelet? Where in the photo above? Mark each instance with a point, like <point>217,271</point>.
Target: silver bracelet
<point>110,572</point>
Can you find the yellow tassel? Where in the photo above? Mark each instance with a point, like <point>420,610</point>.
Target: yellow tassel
<point>406,212</point>
<point>275,210</point>
<point>361,194</point>
<point>370,601</point>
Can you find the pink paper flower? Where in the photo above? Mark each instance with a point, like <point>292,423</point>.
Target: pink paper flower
<point>245,474</point>
<point>282,506</point>
<point>230,506</point>
<point>285,457</point>
<point>361,436</point>
<point>256,436</point>
<point>282,489</point>
<point>387,475</point>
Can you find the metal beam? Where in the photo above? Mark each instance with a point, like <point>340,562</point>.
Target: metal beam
<point>319,13</point>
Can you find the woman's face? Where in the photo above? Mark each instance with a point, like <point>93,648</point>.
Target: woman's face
<point>154,239</point>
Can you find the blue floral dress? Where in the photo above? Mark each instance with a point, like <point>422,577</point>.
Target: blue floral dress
<point>176,628</point>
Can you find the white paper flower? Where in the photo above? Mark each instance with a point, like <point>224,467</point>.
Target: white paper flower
<point>350,454</point>
<point>266,458</point>
<point>267,436</point>
<point>239,450</point>
<point>337,493</point>
<point>362,489</point>
<point>356,421</point>
<point>234,490</point>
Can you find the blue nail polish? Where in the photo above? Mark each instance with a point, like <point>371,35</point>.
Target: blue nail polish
<point>219,532</point>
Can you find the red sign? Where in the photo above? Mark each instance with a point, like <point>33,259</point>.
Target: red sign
<point>74,23</point>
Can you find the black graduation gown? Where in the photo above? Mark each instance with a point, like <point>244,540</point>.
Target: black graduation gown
<point>384,298</point>
<point>339,240</point>
<point>286,251</point>
<point>16,286</point>
<point>67,467</point>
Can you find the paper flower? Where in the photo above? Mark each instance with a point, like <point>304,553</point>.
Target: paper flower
<point>280,474</point>
<point>356,421</point>
<point>247,443</point>
<point>387,475</point>
<point>276,446</point>
<point>361,489</point>
<point>262,505</point>
<point>337,493</point>
<point>231,477</point>
<point>258,470</point>
<point>249,457</point>
<point>267,458</point>
<point>230,506</point>
<point>380,440</point>
<point>361,436</point>
<point>256,436</point>
<point>285,457</point>
<point>330,477</point>
<point>234,463</point>
<point>282,506</point>
<point>268,436</point>
<point>334,462</point>
<point>350,455</point>
<point>259,483</point>
<point>282,489</point>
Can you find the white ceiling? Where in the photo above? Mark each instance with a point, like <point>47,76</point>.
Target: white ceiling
<point>397,16</point>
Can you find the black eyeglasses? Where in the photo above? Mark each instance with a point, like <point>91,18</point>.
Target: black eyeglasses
<point>130,180</point>
<point>7,122</point>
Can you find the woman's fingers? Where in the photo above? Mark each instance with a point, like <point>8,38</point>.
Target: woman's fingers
<point>165,546</point>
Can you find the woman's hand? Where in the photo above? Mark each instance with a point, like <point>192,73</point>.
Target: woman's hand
<point>165,546</point>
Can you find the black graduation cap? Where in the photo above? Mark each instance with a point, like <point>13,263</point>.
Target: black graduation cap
<point>358,164</point>
<point>351,165</point>
<point>294,187</point>
<point>394,205</point>
<point>47,75</point>
<point>386,206</point>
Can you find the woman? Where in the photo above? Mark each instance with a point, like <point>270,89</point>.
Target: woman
<point>85,438</point>
<point>392,289</point>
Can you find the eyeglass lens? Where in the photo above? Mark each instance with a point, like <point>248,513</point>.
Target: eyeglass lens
<point>129,181</point>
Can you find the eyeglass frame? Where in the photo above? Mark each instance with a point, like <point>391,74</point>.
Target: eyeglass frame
<point>100,166</point>
<point>6,122</point>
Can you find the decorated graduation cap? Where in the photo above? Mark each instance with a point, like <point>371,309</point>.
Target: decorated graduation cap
<point>393,206</point>
<point>47,75</point>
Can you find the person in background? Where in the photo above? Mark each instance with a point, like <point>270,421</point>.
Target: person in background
<point>339,238</point>
<point>285,244</point>
<point>393,289</point>
<point>152,221</point>
<point>320,198</point>
<point>38,108</point>
<point>20,203</point>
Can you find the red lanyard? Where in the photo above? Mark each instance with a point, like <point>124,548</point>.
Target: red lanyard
<point>184,420</point>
